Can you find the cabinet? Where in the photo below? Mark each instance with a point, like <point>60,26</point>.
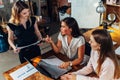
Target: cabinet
<point>113,9</point>
<point>49,9</point>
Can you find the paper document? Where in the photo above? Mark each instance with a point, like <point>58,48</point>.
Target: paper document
<point>51,65</point>
<point>53,60</point>
<point>23,72</point>
<point>29,45</point>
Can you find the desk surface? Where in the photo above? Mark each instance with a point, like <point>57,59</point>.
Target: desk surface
<point>59,55</point>
<point>35,76</point>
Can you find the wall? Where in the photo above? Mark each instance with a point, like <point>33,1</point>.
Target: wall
<point>84,11</point>
<point>5,12</point>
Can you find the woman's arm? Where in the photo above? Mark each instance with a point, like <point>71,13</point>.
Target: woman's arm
<point>88,68</point>
<point>55,47</point>
<point>81,51</point>
<point>77,60</point>
<point>37,32</point>
<point>85,70</point>
<point>80,74</point>
<point>11,39</point>
<point>107,73</point>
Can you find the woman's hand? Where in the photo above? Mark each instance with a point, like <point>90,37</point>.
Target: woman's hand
<point>16,50</point>
<point>41,41</point>
<point>68,76</point>
<point>65,65</point>
<point>48,39</point>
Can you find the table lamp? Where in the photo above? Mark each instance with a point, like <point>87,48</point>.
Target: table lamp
<point>100,9</point>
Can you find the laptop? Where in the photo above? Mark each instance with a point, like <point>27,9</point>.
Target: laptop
<point>50,67</point>
<point>40,69</point>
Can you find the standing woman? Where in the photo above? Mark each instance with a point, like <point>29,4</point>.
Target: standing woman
<point>103,60</point>
<point>70,41</point>
<point>24,27</point>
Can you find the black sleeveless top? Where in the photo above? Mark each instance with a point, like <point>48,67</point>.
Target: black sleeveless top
<point>24,36</point>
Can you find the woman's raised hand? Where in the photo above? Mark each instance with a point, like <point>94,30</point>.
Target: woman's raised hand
<point>48,39</point>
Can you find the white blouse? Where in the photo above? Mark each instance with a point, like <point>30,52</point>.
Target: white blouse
<point>106,73</point>
<point>71,49</point>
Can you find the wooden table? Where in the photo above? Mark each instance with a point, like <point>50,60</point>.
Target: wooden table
<point>62,57</point>
<point>35,76</point>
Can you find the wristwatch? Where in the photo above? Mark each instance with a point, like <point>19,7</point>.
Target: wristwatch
<point>70,63</point>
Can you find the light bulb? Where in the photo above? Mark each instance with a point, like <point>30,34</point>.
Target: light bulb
<point>100,8</point>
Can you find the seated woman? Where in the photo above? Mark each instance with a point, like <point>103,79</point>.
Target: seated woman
<point>115,33</point>
<point>103,60</point>
<point>71,41</point>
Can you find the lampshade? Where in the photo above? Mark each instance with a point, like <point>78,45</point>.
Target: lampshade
<point>100,8</point>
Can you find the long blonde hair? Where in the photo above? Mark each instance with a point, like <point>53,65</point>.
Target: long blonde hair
<point>16,9</point>
<point>106,50</point>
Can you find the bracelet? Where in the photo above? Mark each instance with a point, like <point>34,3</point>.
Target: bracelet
<point>70,63</point>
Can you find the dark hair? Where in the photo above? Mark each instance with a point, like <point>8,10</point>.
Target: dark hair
<point>63,9</point>
<point>103,37</point>
<point>72,23</point>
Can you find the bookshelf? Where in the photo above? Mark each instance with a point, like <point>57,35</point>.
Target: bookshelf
<point>113,8</point>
